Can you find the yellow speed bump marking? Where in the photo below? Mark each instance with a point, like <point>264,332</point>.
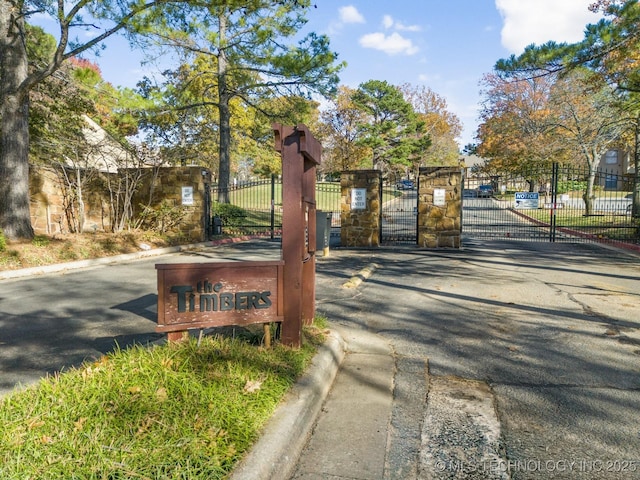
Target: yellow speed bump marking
<point>361,276</point>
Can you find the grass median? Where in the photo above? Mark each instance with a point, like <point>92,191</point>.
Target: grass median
<point>186,410</point>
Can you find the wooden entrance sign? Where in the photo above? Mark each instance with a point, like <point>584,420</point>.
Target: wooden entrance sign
<point>215,294</point>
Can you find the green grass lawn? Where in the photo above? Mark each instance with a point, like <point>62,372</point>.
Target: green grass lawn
<point>612,227</point>
<point>255,201</point>
<point>180,411</point>
<point>328,195</point>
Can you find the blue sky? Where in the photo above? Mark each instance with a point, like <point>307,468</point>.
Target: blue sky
<point>446,45</point>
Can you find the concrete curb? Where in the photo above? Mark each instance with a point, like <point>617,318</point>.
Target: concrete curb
<point>91,262</point>
<point>275,455</point>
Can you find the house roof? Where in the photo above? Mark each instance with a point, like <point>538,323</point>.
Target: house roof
<point>106,153</point>
<point>469,161</point>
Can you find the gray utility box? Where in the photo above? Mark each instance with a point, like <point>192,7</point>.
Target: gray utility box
<point>323,229</point>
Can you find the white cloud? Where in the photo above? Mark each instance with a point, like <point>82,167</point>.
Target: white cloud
<point>388,22</point>
<point>393,44</point>
<point>350,14</point>
<point>538,21</point>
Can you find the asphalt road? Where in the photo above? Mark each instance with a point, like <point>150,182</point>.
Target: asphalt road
<point>548,333</point>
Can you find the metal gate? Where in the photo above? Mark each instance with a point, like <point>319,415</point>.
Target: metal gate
<point>255,207</point>
<point>548,204</point>
<point>399,214</point>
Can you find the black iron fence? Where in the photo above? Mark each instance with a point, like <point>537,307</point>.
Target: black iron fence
<point>552,204</point>
<point>255,207</point>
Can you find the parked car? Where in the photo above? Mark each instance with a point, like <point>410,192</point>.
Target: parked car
<point>485,191</point>
<point>405,185</point>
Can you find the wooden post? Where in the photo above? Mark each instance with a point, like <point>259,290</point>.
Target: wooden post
<point>311,151</point>
<point>266,329</point>
<point>300,154</point>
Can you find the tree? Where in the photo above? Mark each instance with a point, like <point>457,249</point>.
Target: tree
<point>470,149</point>
<point>441,125</point>
<point>113,108</point>
<point>184,120</point>
<point>57,105</point>
<point>339,133</point>
<point>516,129</point>
<point>17,80</point>
<point>611,50</point>
<point>252,61</point>
<point>586,113</point>
<point>255,143</point>
<point>393,131</point>
<point>177,121</point>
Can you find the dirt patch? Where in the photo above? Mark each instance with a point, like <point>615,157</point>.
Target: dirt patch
<point>48,250</point>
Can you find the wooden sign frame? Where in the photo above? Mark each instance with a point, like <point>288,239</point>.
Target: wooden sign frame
<point>215,294</point>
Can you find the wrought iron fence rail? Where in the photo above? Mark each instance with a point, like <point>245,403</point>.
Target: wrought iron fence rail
<point>560,209</point>
<point>255,207</point>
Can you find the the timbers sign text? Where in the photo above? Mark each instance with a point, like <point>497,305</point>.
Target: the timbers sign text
<point>202,295</point>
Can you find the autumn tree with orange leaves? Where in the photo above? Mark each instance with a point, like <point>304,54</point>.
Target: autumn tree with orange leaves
<point>339,130</point>
<point>516,130</point>
<point>610,52</point>
<point>442,126</point>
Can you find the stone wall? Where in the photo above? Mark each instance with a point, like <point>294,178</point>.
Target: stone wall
<point>360,227</point>
<point>440,207</point>
<point>155,186</point>
<point>47,201</point>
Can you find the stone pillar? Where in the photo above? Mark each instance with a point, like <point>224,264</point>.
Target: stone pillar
<point>439,207</point>
<point>165,187</point>
<point>360,205</point>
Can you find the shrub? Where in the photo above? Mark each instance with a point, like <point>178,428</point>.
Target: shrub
<point>231,215</point>
<point>566,186</point>
<point>164,218</point>
<point>3,242</point>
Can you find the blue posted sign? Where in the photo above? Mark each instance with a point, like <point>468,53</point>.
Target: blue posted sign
<point>527,200</point>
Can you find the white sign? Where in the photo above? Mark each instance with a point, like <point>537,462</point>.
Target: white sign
<point>439,197</point>
<point>358,199</point>
<point>187,195</point>
<point>527,200</point>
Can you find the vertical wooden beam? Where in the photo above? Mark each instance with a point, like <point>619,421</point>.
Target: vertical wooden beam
<point>309,265</point>
<point>300,155</point>
<point>311,150</point>
<point>292,233</point>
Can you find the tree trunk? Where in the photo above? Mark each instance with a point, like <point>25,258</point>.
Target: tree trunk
<point>589,196</point>
<point>15,216</point>
<point>81,206</point>
<point>224,170</point>
<point>635,199</point>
